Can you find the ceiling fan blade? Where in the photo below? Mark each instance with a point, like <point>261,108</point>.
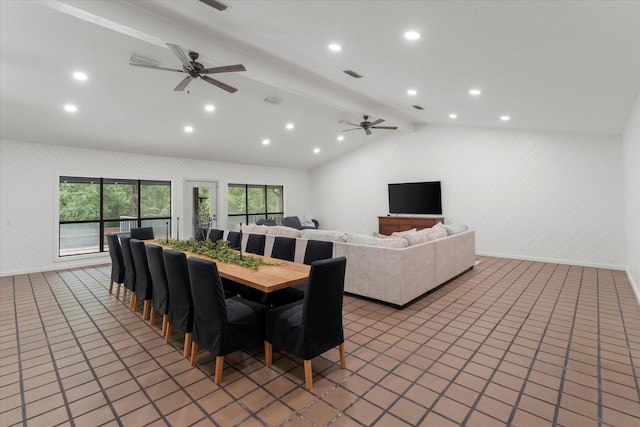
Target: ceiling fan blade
<point>215,4</point>
<point>177,51</point>
<point>154,67</point>
<point>183,84</point>
<point>385,127</point>
<point>347,130</point>
<point>348,123</point>
<point>224,69</point>
<point>367,131</point>
<point>218,83</point>
<point>376,122</point>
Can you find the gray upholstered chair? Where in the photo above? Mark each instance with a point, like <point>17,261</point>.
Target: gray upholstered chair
<point>221,326</point>
<point>160,294</point>
<point>312,326</point>
<point>142,233</point>
<point>117,263</point>
<point>180,300</point>
<point>143,276</point>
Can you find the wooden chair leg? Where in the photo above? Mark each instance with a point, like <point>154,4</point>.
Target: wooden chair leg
<point>132,301</point>
<point>110,286</point>
<point>194,353</point>
<point>152,316</point>
<point>165,322</point>
<point>145,309</point>
<point>268,353</point>
<point>343,359</point>
<point>187,344</point>
<point>167,336</point>
<point>118,292</point>
<point>308,375</point>
<point>219,368</point>
<point>124,295</point>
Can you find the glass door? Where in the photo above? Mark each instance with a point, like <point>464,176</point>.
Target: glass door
<point>201,208</point>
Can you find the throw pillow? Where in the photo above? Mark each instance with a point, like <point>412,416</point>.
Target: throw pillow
<point>456,228</point>
<point>401,234</point>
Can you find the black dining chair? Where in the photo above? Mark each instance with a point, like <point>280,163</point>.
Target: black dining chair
<point>215,235</point>
<point>312,326</point>
<point>129,271</point>
<point>117,263</point>
<point>144,287</point>
<point>221,326</point>
<point>256,243</point>
<point>316,250</point>
<point>235,240</point>
<point>160,293</point>
<point>284,248</point>
<point>142,233</point>
<point>180,300</point>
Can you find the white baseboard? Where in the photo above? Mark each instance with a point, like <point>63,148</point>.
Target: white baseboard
<point>554,261</point>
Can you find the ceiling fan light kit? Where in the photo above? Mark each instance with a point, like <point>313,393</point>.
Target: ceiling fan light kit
<point>192,67</point>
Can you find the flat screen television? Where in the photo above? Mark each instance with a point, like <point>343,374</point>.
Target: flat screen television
<point>415,198</point>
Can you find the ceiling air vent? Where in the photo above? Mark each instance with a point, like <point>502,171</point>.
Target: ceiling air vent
<point>353,74</point>
<point>273,100</point>
<point>417,107</point>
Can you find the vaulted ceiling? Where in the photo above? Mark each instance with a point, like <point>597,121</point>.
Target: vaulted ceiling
<point>558,66</point>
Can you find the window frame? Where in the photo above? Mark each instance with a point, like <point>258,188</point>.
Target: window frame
<point>266,213</point>
<point>101,220</point>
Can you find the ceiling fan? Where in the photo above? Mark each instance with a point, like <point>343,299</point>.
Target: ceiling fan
<point>193,69</point>
<point>366,125</point>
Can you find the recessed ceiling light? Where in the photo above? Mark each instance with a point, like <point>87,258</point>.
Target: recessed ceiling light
<point>266,142</point>
<point>453,116</point>
<point>412,92</point>
<point>505,118</point>
<point>79,75</point>
<point>412,35</point>
<point>316,150</point>
<point>340,138</point>
<point>290,126</point>
<point>335,47</point>
<point>71,108</point>
<point>188,129</point>
<point>475,92</point>
<point>209,108</point>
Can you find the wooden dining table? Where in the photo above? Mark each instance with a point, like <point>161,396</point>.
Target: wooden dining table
<point>267,278</point>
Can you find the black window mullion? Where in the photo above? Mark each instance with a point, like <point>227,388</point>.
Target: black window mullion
<point>101,226</point>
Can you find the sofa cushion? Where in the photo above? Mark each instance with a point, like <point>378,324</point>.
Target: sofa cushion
<point>254,228</point>
<point>401,234</point>
<point>279,230</point>
<point>424,235</point>
<point>326,235</point>
<point>385,242</point>
<point>456,228</point>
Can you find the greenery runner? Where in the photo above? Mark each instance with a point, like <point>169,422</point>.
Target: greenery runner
<point>219,250</point>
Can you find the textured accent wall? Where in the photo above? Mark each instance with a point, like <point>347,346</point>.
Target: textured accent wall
<point>631,156</point>
<point>28,191</point>
<point>536,195</point>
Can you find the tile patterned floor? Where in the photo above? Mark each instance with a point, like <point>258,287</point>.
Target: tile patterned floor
<point>509,343</point>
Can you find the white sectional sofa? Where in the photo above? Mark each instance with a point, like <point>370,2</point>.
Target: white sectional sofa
<point>393,275</point>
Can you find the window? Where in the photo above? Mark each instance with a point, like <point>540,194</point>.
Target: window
<point>93,207</point>
<point>249,203</point>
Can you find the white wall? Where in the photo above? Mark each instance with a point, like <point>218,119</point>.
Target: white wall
<point>536,195</point>
<point>631,156</point>
<point>28,191</point>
